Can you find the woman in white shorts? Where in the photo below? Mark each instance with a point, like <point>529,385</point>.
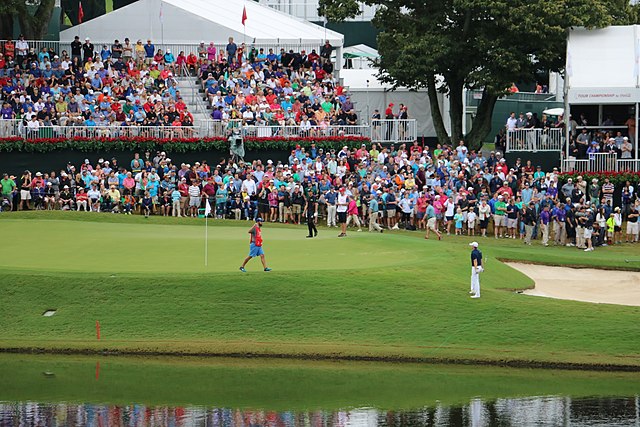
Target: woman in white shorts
<point>471,223</point>
<point>25,190</point>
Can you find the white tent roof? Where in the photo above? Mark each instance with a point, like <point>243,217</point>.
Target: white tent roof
<point>360,50</point>
<point>190,21</point>
<point>602,65</point>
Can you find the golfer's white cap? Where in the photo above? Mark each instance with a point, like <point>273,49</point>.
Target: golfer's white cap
<point>474,244</point>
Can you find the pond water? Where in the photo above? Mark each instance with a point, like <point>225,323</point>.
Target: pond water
<point>530,411</point>
<point>113,391</point>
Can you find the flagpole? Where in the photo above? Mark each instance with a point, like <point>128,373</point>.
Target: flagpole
<point>162,26</point>
<point>206,240</point>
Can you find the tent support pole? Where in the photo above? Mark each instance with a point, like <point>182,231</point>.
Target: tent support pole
<point>600,112</point>
<point>635,137</point>
<point>567,120</point>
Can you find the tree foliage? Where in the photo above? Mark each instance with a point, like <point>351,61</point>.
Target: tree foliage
<point>449,45</point>
<point>33,17</point>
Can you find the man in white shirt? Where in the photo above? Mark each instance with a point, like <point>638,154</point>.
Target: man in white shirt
<point>511,121</point>
<point>33,126</point>
<point>94,198</point>
<point>194,198</point>
<point>249,186</point>
<point>22,49</point>
<point>341,210</point>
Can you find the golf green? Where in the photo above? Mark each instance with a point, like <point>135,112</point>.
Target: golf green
<point>388,296</point>
<point>120,247</point>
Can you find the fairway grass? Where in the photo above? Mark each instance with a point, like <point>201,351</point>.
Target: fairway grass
<point>382,296</point>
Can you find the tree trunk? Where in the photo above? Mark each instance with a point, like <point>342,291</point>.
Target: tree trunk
<point>455,109</point>
<point>34,27</point>
<point>482,121</point>
<point>436,114</point>
<point>6,26</point>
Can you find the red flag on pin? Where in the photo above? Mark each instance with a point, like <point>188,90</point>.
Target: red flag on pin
<point>80,13</point>
<point>244,14</point>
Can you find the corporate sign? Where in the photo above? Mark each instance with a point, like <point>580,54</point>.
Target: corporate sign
<point>611,95</point>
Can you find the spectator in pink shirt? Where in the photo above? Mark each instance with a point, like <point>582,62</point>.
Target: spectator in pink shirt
<point>211,52</point>
<point>352,213</point>
<point>129,183</point>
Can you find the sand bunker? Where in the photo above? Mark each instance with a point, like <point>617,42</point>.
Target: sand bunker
<point>583,284</point>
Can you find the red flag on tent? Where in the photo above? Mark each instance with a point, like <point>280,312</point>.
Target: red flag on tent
<point>244,14</point>
<point>80,13</point>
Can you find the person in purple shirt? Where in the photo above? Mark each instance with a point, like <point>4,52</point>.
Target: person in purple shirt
<point>559,216</point>
<point>545,218</point>
<point>7,112</point>
<point>347,105</point>
<point>217,113</point>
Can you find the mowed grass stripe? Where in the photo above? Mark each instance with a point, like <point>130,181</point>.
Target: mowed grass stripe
<point>120,248</point>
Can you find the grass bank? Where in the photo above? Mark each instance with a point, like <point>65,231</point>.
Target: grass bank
<point>393,296</point>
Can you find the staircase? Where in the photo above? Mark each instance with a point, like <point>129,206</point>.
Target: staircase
<point>190,91</point>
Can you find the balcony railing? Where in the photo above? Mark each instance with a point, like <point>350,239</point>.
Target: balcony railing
<point>534,140</point>
<point>381,131</point>
<point>600,162</point>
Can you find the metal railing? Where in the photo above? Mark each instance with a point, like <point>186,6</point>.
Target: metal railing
<point>534,140</point>
<point>600,162</point>
<point>473,97</point>
<point>628,165</point>
<point>302,131</point>
<point>387,131</point>
<point>176,48</point>
<point>117,131</point>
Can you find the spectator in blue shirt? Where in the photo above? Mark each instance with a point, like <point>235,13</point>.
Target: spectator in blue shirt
<point>105,53</point>
<point>149,51</point>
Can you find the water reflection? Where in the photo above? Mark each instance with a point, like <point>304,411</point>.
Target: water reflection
<point>530,411</point>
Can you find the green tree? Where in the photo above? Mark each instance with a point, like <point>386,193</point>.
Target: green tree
<point>448,45</point>
<point>33,17</point>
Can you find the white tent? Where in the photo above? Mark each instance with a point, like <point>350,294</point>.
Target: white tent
<point>190,21</point>
<point>603,70</point>
<point>360,56</point>
<point>368,93</point>
<point>602,65</point>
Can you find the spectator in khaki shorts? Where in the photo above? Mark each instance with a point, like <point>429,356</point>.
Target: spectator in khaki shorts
<point>499,216</point>
<point>183,188</point>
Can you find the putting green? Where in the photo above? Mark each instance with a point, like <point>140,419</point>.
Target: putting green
<point>132,248</point>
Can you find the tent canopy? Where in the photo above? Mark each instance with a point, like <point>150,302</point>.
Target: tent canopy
<point>359,51</point>
<point>190,21</point>
<point>602,65</point>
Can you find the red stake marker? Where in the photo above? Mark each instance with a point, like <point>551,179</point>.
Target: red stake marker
<point>98,329</point>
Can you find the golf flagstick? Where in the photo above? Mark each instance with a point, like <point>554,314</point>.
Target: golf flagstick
<point>207,211</point>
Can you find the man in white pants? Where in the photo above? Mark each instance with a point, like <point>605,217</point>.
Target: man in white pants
<point>331,198</point>
<point>476,269</point>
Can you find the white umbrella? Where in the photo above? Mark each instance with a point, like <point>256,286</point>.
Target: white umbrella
<point>554,111</point>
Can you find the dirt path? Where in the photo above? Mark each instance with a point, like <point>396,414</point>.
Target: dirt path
<point>583,284</point>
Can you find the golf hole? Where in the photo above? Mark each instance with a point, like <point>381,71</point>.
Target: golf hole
<point>49,313</point>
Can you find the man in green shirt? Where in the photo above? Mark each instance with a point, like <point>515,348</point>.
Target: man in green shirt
<point>221,201</point>
<point>498,217</point>
<point>8,185</point>
<point>327,105</point>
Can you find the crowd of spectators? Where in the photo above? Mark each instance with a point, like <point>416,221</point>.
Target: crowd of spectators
<point>131,89</point>
<point>270,88</point>
<point>584,139</point>
<point>121,85</point>
<point>446,189</point>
